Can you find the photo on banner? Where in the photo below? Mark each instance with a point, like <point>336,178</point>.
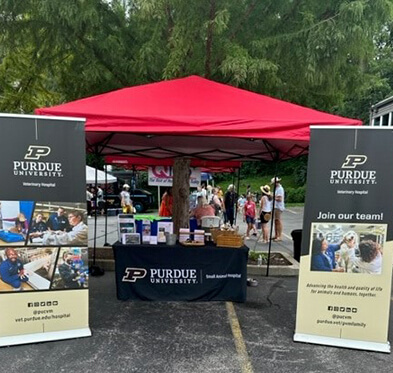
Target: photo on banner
<point>347,248</point>
<point>72,270</point>
<point>27,269</point>
<point>58,224</point>
<point>15,217</point>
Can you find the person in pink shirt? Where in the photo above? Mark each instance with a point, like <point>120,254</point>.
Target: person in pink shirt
<point>202,209</point>
<point>249,214</point>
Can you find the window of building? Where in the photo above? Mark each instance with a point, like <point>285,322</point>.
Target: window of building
<point>385,120</point>
<point>377,121</point>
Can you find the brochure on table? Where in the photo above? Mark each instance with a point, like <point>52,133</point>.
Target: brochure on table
<point>162,228</point>
<point>126,228</point>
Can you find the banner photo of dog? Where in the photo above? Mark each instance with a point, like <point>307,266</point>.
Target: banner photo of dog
<point>348,248</point>
<point>15,217</point>
<point>345,271</point>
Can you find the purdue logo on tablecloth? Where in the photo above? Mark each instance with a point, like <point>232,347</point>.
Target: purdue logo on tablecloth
<point>133,274</point>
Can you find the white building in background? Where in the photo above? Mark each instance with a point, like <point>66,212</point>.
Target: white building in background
<point>381,114</point>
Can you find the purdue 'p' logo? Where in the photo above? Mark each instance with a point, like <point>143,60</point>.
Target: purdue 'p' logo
<point>133,274</point>
<point>35,152</point>
<point>353,161</point>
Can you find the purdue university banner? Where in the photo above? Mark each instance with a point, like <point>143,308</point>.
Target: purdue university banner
<point>347,243</point>
<point>43,231</point>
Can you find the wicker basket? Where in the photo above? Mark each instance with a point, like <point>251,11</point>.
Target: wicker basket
<point>215,232</point>
<point>229,240</point>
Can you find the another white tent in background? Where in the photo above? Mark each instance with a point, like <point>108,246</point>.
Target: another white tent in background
<point>91,176</point>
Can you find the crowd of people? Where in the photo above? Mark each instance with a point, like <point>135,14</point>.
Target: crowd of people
<point>250,207</point>
<point>95,200</point>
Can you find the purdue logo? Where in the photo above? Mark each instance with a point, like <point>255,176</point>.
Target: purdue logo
<point>352,161</point>
<point>133,274</point>
<point>35,152</point>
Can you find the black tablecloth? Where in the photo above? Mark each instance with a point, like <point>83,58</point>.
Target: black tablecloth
<point>161,272</point>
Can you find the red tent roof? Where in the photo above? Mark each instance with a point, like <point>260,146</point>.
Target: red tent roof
<point>195,106</point>
<point>140,163</point>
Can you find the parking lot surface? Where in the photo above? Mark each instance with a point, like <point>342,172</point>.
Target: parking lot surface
<point>194,337</point>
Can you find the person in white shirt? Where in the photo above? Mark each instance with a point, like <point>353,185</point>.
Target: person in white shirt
<point>265,211</point>
<point>279,207</point>
<point>126,202</point>
<point>100,200</point>
<point>370,260</point>
<point>89,198</point>
<point>76,237</point>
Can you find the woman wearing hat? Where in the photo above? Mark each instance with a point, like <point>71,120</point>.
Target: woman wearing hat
<point>266,211</point>
<point>126,203</point>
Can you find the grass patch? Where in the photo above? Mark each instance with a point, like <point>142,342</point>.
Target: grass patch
<point>287,181</point>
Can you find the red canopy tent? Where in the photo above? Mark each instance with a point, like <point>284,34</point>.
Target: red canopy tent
<point>139,163</point>
<point>162,120</point>
<point>195,117</point>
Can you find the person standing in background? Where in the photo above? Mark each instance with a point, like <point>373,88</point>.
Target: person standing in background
<point>279,207</point>
<point>230,200</point>
<point>126,203</point>
<point>100,200</point>
<point>204,191</point>
<point>89,197</point>
<point>166,203</point>
<point>249,215</point>
<point>265,211</point>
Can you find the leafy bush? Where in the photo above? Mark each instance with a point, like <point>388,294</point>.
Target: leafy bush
<point>295,195</point>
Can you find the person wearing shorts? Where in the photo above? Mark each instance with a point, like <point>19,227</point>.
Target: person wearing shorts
<point>249,215</point>
<point>279,207</point>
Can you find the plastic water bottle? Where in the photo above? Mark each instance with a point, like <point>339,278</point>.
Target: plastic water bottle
<point>259,260</point>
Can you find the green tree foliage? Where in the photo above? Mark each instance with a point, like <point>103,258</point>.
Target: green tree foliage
<point>322,54</point>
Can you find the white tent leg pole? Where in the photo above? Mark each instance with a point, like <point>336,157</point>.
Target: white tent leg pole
<point>158,198</point>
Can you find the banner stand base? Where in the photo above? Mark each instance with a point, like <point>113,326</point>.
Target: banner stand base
<point>339,342</point>
<point>44,337</point>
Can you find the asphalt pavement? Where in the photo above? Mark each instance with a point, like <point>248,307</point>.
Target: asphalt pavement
<point>194,337</point>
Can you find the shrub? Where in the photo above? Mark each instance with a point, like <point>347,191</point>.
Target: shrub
<point>295,195</point>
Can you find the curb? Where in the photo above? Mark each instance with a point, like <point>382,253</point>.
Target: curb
<point>274,270</point>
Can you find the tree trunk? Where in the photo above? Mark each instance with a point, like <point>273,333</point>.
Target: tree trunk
<point>209,39</point>
<point>180,192</point>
